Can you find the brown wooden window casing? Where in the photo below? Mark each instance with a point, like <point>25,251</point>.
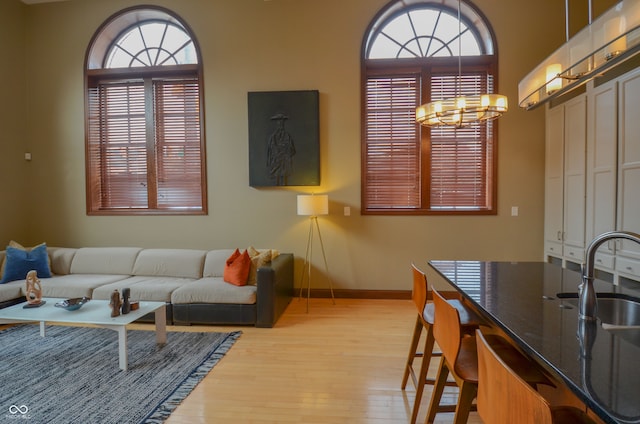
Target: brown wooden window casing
<point>145,150</point>
<point>408,169</point>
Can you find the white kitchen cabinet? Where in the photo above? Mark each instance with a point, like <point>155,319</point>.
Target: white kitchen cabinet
<point>554,182</point>
<point>628,212</point>
<point>565,180</point>
<point>608,175</point>
<point>575,147</point>
<point>601,182</point>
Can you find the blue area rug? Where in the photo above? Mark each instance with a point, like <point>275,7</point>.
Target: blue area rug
<point>72,374</point>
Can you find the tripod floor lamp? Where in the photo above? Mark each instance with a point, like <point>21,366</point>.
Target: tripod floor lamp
<point>312,205</point>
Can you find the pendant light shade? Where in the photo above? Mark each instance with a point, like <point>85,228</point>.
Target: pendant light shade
<point>606,42</point>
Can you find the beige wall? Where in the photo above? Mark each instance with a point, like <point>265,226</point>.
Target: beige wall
<point>14,175</point>
<point>254,45</point>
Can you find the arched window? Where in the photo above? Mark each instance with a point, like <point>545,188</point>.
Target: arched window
<point>414,52</point>
<point>145,148</point>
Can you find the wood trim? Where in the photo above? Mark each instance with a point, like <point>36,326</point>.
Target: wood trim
<point>367,294</point>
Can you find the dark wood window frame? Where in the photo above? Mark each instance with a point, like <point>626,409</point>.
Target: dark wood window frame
<point>395,146</point>
<point>145,146</point>
<point>424,139</point>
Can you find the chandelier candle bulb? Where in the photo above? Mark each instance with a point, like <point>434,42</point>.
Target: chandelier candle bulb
<point>554,82</point>
<point>612,29</point>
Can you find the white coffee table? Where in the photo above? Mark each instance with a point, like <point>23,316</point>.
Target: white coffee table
<point>95,312</point>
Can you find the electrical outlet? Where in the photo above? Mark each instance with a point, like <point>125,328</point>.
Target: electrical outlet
<point>347,211</point>
<point>514,211</point>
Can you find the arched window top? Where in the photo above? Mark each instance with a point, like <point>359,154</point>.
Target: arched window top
<point>142,38</point>
<point>427,28</point>
<point>151,44</point>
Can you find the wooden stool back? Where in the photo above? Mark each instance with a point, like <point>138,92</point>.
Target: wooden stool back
<point>420,289</point>
<point>503,397</point>
<point>447,331</point>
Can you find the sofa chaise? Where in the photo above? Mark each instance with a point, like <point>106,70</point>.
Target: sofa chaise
<point>189,281</point>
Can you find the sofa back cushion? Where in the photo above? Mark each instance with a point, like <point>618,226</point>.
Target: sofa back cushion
<point>215,261</point>
<point>104,260</point>
<point>61,258</point>
<point>185,263</point>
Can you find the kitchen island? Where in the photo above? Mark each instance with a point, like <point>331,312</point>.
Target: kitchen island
<point>535,305</point>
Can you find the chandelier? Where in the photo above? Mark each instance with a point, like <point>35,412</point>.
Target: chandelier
<point>461,110</point>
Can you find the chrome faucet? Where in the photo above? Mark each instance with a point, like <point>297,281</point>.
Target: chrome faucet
<point>588,301</point>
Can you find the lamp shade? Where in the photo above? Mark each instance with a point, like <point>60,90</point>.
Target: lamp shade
<point>313,204</point>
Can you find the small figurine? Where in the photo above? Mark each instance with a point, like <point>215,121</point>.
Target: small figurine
<point>126,306</point>
<point>115,304</point>
<point>34,289</point>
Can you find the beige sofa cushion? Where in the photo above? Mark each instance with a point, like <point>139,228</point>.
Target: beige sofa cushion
<point>61,258</point>
<point>215,261</point>
<point>12,290</point>
<point>104,260</point>
<point>75,285</point>
<point>214,290</point>
<point>184,263</point>
<point>156,289</point>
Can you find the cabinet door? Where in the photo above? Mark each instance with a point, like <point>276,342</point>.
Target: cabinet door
<point>602,150</point>
<point>554,177</point>
<point>575,139</point>
<point>629,167</point>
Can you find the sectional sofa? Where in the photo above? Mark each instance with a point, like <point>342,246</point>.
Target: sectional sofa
<point>189,281</point>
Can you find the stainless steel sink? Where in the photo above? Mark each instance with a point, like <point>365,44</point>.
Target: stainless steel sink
<point>614,312</point>
<point>619,312</point>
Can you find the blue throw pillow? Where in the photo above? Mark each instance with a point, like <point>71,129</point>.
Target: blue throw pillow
<point>18,262</point>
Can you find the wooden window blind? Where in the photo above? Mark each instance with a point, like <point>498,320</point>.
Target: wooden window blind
<point>461,158</point>
<point>178,144</point>
<point>447,170</point>
<point>144,146</point>
<point>392,143</point>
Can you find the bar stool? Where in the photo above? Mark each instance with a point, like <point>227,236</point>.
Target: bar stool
<point>460,358</point>
<point>505,398</point>
<point>425,318</point>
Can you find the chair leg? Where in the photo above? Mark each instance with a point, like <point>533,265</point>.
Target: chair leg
<point>424,369</point>
<point>438,388</point>
<point>417,332</point>
<point>465,400</point>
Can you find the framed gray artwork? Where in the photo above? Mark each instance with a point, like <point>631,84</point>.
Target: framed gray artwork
<point>284,138</point>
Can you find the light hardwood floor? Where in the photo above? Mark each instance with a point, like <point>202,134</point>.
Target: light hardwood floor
<point>338,363</point>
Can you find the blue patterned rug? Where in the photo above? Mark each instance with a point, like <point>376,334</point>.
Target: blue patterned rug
<point>72,374</point>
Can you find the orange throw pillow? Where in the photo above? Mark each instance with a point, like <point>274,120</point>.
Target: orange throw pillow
<point>236,270</point>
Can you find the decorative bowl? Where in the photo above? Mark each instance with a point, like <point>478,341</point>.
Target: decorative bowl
<point>73,304</point>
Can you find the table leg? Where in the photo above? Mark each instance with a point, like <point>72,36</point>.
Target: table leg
<point>161,325</point>
<point>122,347</point>
<point>43,331</point>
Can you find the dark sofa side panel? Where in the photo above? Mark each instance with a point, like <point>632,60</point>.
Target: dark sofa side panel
<point>214,314</point>
<point>275,289</point>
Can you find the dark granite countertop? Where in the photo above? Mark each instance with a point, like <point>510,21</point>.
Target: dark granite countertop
<point>602,368</point>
